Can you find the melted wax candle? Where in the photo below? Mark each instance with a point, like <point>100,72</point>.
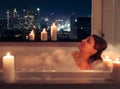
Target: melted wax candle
<point>8,68</point>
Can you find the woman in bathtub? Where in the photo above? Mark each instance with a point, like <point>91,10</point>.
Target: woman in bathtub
<point>89,53</point>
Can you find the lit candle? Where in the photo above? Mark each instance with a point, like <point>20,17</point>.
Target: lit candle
<point>53,32</point>
<point>44,35</point>
<point>8,68</point>
<point>107,62</point>
<point>32,35</point>
<point>115,75</point>
<point>34,27</point>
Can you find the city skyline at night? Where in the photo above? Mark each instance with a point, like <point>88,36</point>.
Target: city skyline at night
<point>18,18</point>
<point>50,7</point>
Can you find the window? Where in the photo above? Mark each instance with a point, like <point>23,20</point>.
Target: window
<point>19,18</point>
<point>33,51</point>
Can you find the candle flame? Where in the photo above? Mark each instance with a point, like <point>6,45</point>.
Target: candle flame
<point>8,53</point>
<point>117,60</point>
<point>106,58</point>
<point>32,32</point>
<point>34,26</point>
<point>53,24</point>
<point>44,30</point>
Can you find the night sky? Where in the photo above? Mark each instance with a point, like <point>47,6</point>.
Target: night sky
<point>57,7</point>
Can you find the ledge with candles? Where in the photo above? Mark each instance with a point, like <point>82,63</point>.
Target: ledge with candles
<point>39,36</point>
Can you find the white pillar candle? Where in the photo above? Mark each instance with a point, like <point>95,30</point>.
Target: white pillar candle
<point>44,35</point>
<point>107,62</point>
<point>8,68</point>
<point>53,32</point>
<point>115,75</point>
<point>32,35</point>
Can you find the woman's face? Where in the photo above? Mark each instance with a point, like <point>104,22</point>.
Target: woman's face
<point>87,45</point>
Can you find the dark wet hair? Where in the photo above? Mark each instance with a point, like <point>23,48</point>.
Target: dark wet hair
<point>100,45</point>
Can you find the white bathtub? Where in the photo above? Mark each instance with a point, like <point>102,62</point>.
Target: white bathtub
<point>29,67</point>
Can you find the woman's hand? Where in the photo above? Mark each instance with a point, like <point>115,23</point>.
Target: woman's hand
<point>81,64</point>
<point>75,54</point>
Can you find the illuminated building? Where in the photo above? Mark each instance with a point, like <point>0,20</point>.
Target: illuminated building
<point>73,32</point>
<point>83,27</point>
<point>8,18</point>
<point>14,12</point>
